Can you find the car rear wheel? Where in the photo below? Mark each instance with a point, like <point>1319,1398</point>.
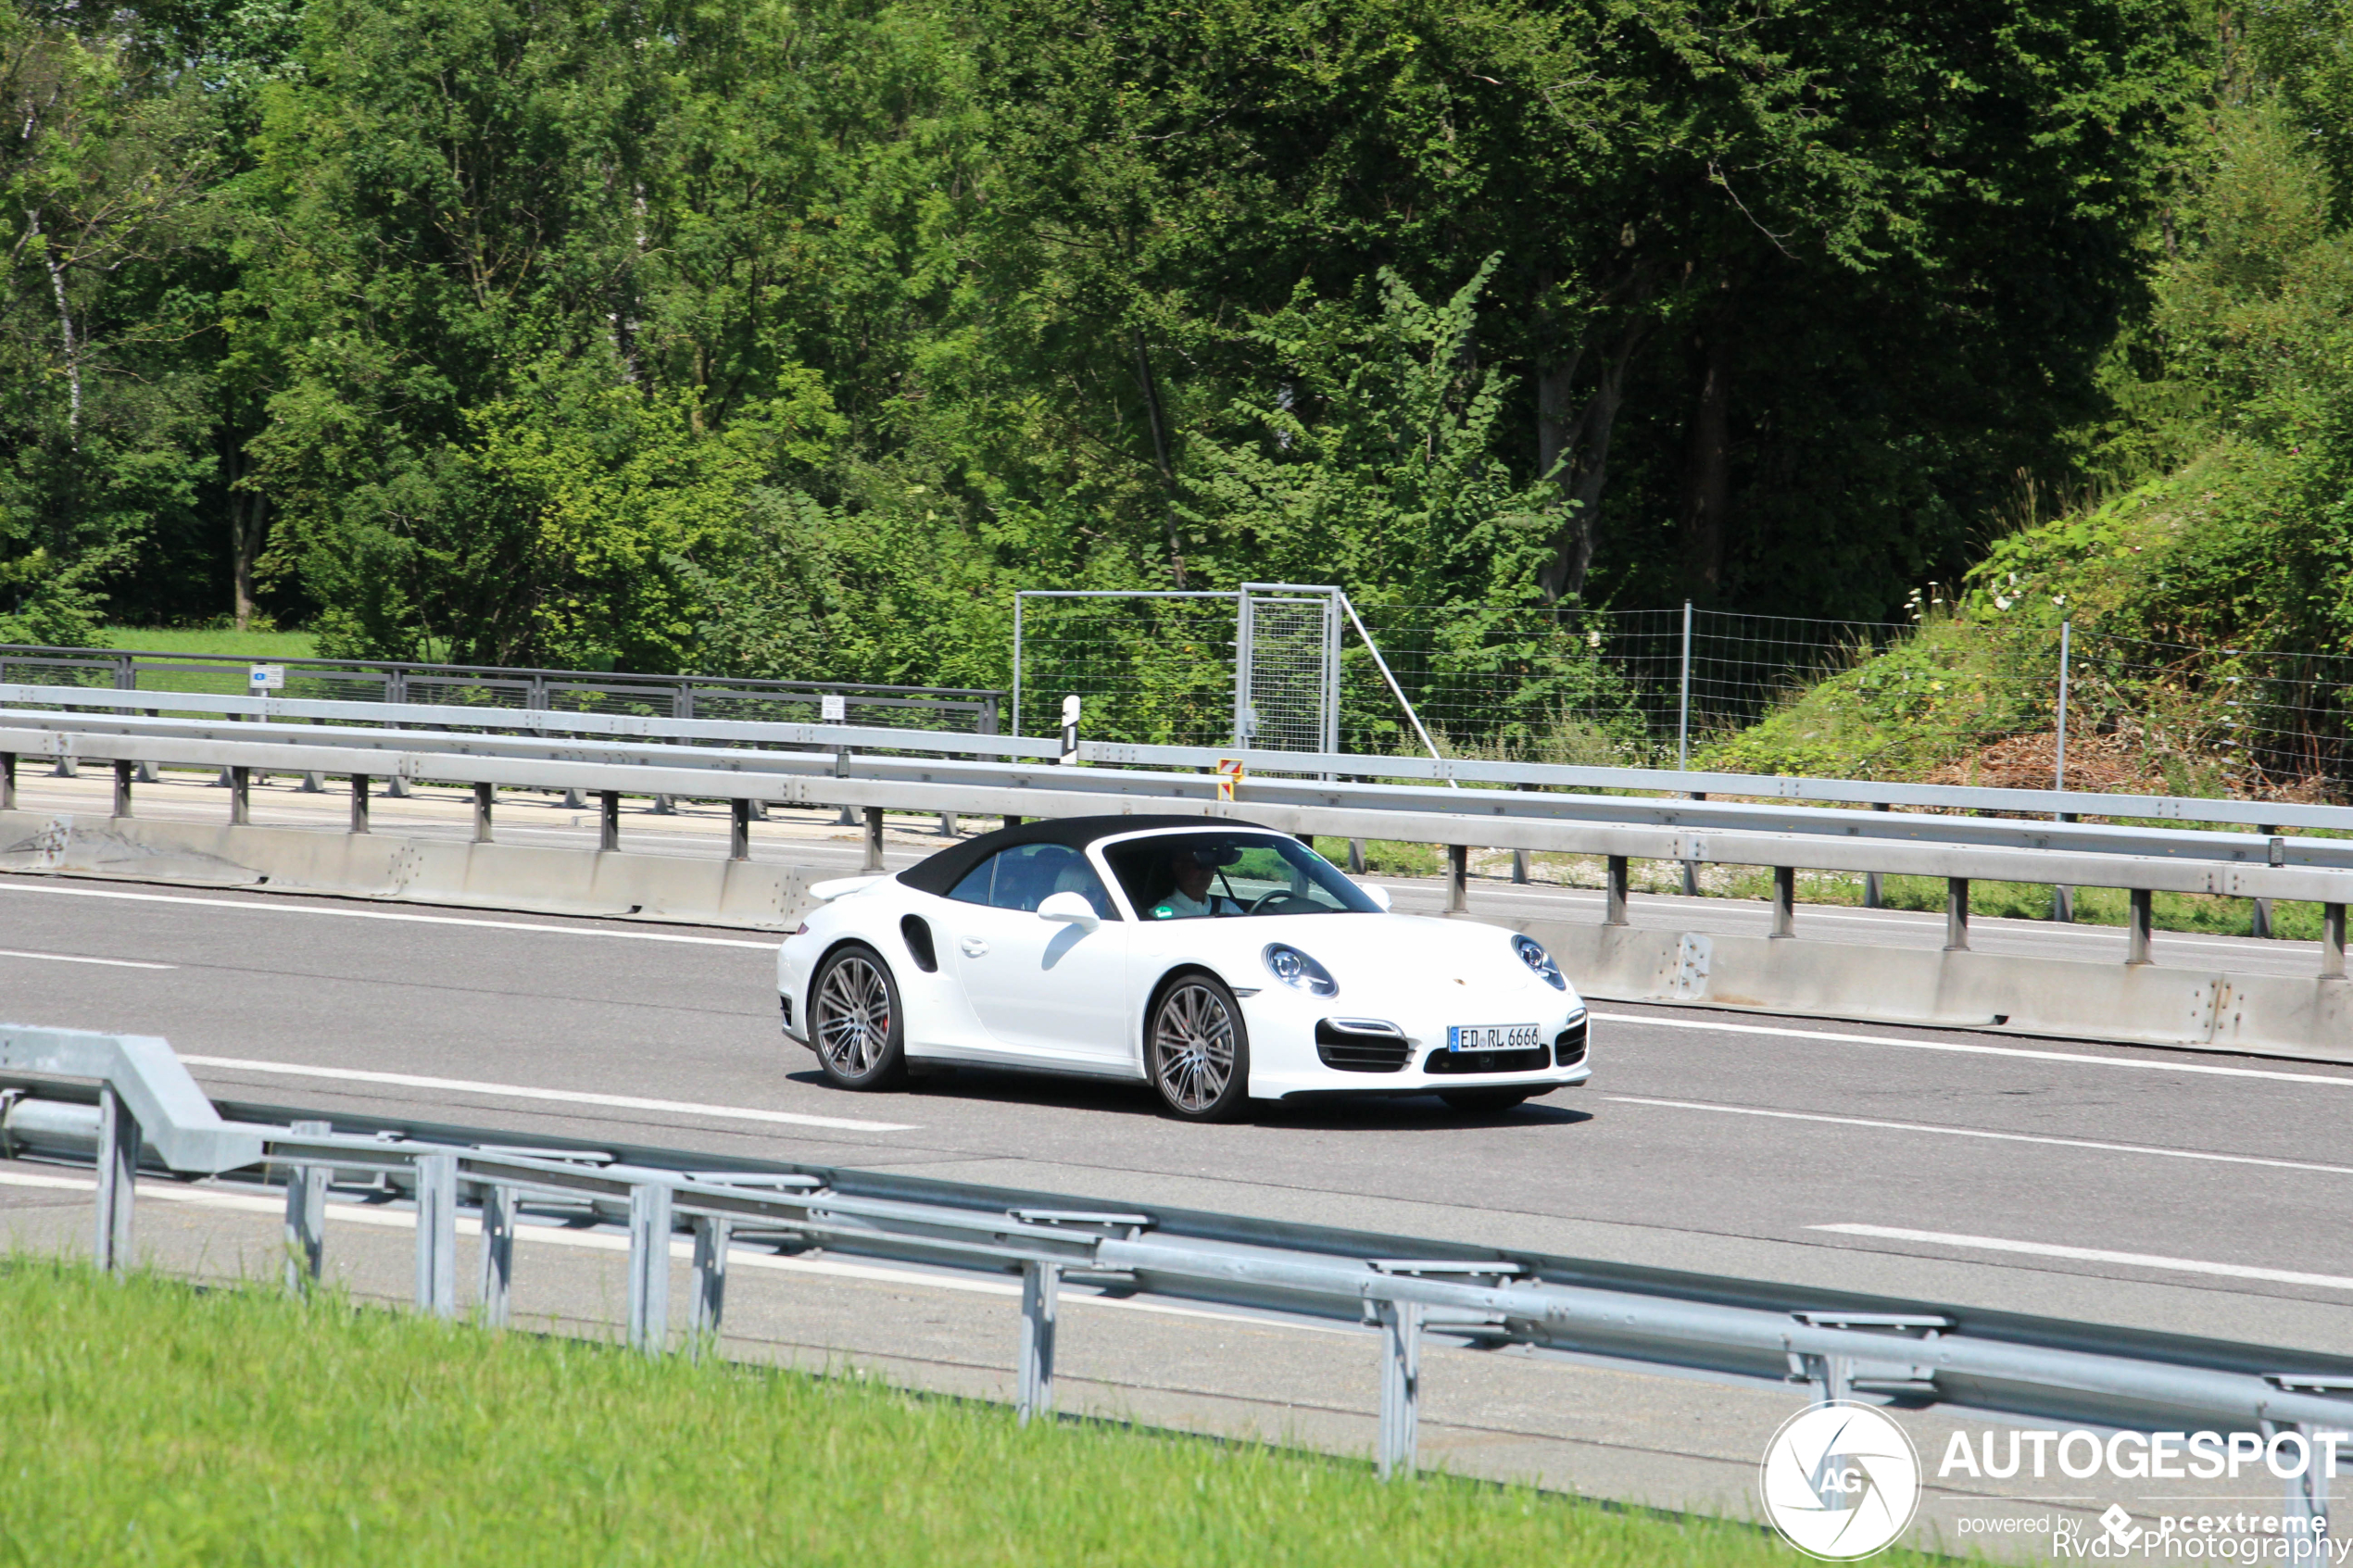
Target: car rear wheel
<point>1198,1050</point>
<point>1485,1102</point>
<point>854,1021</point>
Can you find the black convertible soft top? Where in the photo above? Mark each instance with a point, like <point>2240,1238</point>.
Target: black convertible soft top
<point>945,870</point>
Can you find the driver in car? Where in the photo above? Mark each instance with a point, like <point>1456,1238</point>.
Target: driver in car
<point>1190,896</point>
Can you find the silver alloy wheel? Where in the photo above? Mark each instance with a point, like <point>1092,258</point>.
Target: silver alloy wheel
<point>853,1016</point>
<point>1193,1047</point>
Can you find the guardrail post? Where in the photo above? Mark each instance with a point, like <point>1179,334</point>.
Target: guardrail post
<point>1519,868</point>
<point>483,796</point>
<point>2331,941</point>
<point>608,818</point>
<point>437,1235</point>
<point>849,818</point>
<point>739,829</point>
<point>2307,1494</point>
<point>1691,868</point>
<point>1009,822</point>
<point>359,803</point>
<point>711,1233</point>
<point>2137,930</point>
<point>1784,900</point>
<point>1356,857</point>
<point>118,1181</point>
<point>1457,878</point>
<point>947,824</point>
<point>2063,897</point>
<point>313,783</point>
<point>1614,899</point>
<point>2259,919</point>
<point>1040,1287</point>
<point>240,795</point>
<point>123,774</point>
<point>306,1214</point>
<point>1956,914</point>
<point>873,838</point>
<point>7,781</point>
<point>649,1267</point>
<point>1401,1384</point>
<point>496,1283</point>
<point>665,806</point>
<point>1874,896</point>
<point>1833,1376</point>
<point>67,768</point>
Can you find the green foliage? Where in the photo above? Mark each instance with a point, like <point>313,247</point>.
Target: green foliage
<point>155,1421</point>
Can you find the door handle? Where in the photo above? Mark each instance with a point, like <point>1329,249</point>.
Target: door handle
<point>974,946</point>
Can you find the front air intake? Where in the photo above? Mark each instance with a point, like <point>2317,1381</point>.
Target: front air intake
<point>1569,1045</point>
<point>1361,1045</point>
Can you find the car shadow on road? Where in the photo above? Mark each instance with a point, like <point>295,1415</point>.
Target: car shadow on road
<point>1417,1113</point>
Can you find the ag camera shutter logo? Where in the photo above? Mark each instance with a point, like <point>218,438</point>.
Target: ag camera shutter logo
<point>1839,1481</point>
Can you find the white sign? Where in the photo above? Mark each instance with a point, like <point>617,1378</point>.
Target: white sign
<point>1839,1481</point>
<point>832,710</point>
<point>1070,712</point>
<point>266,677</point>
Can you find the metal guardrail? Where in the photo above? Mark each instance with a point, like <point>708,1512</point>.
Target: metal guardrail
<point>520,688</point>
<point>1839,1344</point>
<point>2142,859</point>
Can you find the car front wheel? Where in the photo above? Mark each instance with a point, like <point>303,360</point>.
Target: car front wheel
<point>1198,1050</point>
<point>854,1021</point>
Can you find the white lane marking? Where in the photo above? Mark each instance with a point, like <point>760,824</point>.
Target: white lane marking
<point>277,908</point>
<point>2092,1255</point>
<point>1956,1046</point>
<point>1980,1132</point>
<point>406,1219</point>
<point>76,958</point>
<point>563,1096</point>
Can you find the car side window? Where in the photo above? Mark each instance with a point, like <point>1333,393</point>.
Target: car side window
<point>1027,874</point>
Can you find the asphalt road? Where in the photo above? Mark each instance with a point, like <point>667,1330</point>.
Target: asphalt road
<point>2182,1191</point>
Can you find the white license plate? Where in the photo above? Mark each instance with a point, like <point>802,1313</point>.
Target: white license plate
<point>1490,1037</point>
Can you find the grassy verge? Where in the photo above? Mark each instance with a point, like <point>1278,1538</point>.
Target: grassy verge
<point>151,1421</point>
<point>221,640</point>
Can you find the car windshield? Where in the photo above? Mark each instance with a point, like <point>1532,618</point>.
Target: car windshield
<point>1198,875</point>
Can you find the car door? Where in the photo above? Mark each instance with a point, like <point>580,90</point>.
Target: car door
<point>1044,990</point>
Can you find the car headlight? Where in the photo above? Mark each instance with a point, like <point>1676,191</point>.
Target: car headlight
<point>1295,969</point>
<point>1531,953</point>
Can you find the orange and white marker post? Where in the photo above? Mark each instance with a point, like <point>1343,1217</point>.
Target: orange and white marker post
<point>1229,773</point>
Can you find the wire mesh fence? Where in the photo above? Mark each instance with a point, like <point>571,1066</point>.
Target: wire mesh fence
<point>2205,721</point>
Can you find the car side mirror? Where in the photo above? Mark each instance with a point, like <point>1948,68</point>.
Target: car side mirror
<point>1376,893</point>
<point>1070,908</point>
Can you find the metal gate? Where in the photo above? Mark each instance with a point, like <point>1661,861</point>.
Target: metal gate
<point>1287,668</point>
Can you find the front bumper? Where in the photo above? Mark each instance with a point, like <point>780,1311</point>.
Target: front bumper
<point>1289,1061</point>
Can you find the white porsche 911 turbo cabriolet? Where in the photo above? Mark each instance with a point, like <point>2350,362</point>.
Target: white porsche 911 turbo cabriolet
<point>1221,962</point>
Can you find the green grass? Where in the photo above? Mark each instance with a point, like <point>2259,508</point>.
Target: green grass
<point>221,640</point>
<point>148,1421</point>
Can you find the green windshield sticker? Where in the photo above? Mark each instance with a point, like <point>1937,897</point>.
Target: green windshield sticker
<point>1164,912</point>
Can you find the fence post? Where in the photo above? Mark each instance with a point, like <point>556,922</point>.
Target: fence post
<point>1040,1287</point>
<point>2136,939</point>
<point>649,1267</point>
<point>437,1235</point>
<point>711,1233</point>
<point>1400,1378</point>
<point>118,1181</point>
<point>496,1283</point>
<point>306,1214</point>
<point>2058,773</point>
<point>1956,914</point>
<point>1683,704</point>
<point>1016,691</point>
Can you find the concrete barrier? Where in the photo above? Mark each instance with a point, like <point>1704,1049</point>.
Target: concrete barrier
<point>2146,1004</point>
<point>706,891</point>
<point>2269,1015</point>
